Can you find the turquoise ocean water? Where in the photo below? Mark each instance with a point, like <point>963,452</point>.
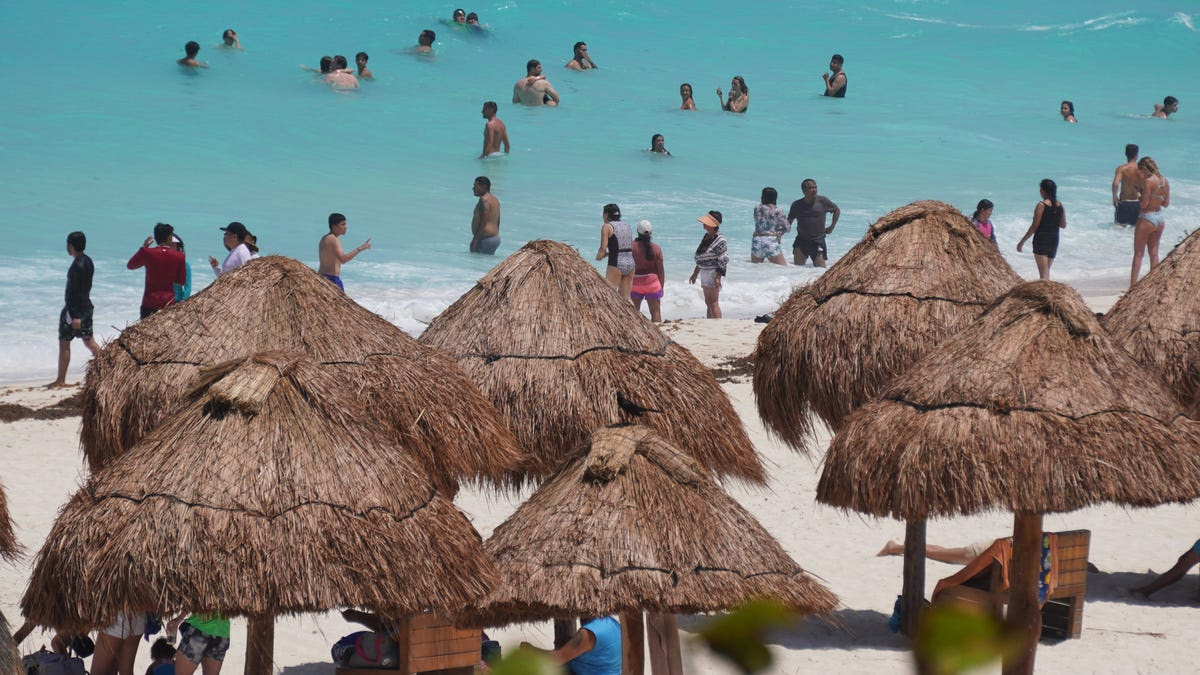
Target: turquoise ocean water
<point>949,100</point>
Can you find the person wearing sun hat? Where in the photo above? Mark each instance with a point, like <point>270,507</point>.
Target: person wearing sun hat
<point>712,258</point>
<point>648,277</point>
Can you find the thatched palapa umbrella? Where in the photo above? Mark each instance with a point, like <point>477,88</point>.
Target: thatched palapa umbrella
<point>1032,409</point>
<point>636,524</point>
<point>1158,322</point>
<point>551,345</point>
<point>267,491</point>
<point>921,274</point>
<point>10,658</point>
<point>279,304</point>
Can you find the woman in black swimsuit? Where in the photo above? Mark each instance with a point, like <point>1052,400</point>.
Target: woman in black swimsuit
<point>1048,218</point>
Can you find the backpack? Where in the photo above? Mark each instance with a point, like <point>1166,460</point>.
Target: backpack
<point>366,649</point>
<point>44,662</point>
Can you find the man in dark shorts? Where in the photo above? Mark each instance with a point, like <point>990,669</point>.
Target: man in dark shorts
<point>808,213</point>
<point>165,267</point>
<point>75,321</point>
<point>1127,189</point>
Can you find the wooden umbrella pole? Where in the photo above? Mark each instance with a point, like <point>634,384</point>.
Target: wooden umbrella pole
<point>564,630</point>
<point>1024,613</point>
<point>633,649</point>
<point>913,593</point>
<point>260,644</point>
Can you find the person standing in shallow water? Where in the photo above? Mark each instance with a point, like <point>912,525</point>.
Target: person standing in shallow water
<point>1067,110</point>
<point>769,227</point>
<point>329,249</point>
<point>739,96</point>
<point>1156,195</point>
<point>581,60</point>
<point>1127,189</point>
<point>485,221</point>
<point>616,242</point>
<point>835,79</point>
<point>648,275</point>
<point>190,50</point>
<point>1049,217</point>
<point>495,133</point>
<point>658,145</point>
<point>75,320</point>
<point>685,93</point>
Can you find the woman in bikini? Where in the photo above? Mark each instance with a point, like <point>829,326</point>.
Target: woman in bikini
<point>1156,195</point>
<point>739,96</point>
<point>685,93</point>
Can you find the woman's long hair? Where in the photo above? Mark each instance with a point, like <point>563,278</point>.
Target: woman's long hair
<point>1051,189</point>
<point>984,205</point>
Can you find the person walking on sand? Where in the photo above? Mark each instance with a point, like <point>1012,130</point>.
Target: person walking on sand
<point>495,133</point>
<point>203,642</point>
<point>165,267</point>
<point>330,251</point>
<point>808,213</point>
<point>1156,196</point>
<point>534,89</point>
<point>1127,189</point>
<point>75,320</point>
<point>769,227</point>
<point>712,259</point>
<point>835,79</point>
<point>1049,217</point>
<point>235,238</point>
<point>485,220</point>
<point>648,275</point>
<point>616,242</point>
<point>1185,562</point>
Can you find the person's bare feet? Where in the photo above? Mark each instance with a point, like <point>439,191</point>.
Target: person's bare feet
<point>890,548</point>
<point>57,384</point>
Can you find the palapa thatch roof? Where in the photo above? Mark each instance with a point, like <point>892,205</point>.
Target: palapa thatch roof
<point>10,658</point>
<point>920,275</point>
<point>551,344</point>
<point>262,493</point>
<point>9,547</point>
<point>279,304</point>
<point>1032,408</point>
<point>636,523</point>
<point>1158,322</point>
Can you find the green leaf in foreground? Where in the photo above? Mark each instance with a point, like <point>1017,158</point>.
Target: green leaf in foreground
<point>954,638</point>
<point>526,662</point>
<point>738,636</point>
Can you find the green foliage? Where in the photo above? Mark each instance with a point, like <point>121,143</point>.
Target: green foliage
<point>526,662</point>
<point>738,636</point>
<point>954,638</point>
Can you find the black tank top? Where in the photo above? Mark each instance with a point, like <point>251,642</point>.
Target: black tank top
<point>841,92</point>
<point>1051,217</point>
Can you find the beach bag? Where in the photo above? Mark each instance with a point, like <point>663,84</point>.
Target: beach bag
<point>48,663</point>
<point>370,650</point>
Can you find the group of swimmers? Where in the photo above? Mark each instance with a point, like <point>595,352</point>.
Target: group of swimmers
<point>1162,110</point>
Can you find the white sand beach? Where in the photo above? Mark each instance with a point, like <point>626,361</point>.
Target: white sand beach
<point>40,465</point>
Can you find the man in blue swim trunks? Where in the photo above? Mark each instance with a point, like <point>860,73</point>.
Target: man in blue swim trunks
<point>485,221</point>
<point>330,251</point>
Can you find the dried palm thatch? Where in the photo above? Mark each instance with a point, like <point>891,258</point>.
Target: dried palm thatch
<point>1158,322</point>
<point>920,275</point>
<point>633,524</point>
<point>279,304</point>
<point>10,658</point>
<point>263,493</point>
<point>9,547</point>
<point>1032,408</point>
<point>551,344</point>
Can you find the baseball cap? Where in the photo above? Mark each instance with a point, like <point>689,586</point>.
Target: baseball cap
<point>236,228</point>
<point>644,227</point>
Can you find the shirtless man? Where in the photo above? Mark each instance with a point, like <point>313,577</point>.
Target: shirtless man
<point>581,61</point>
<point>835,80</point>
<point>229,39</point>
<point>534,89</point>
<point>485,222</point>
<point>339,76</point>
<point>330,251</point>
<point>425,42</point>
<point>1127,189</point>
<point>189,60</point>
<point>494,132</point>
<point>360,60</point>
<point>1169,105</point>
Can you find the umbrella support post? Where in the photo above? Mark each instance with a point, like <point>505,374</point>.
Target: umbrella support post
<point>260,644</point>
<point>633,648</point>
<point>662,643</point>
<point>1024,614</point>
<point>913,598</point>
<point>564,630</point>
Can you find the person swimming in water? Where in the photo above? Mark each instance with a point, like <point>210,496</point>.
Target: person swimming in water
<point>581,60</point>
<point>685,93</point>
<point>360,60</point>
<point>835,79</point>
<point>425,42</point>
<point>229,39</point>
<point>1067,109</point>
<point>190,50</point>
<point>1169,105</point>
<point>739,96</point>
<point>658,145</point>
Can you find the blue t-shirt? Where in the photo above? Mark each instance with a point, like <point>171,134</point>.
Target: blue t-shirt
<point>605,657</point>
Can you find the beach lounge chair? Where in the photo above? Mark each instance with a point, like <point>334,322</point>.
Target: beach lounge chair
<point>984,582</point>
<point>432,646</point>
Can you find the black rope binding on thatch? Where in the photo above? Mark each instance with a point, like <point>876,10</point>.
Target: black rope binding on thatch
<point>492,358</point>
<point>919,298</point>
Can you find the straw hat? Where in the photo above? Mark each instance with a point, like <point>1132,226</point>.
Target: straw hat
<point>552,345</point>
<point>279,304</point>
<point>1032,409</point>
<point>635,523</point>
<point>1158,322</point>
<point>262,493</point>
<point>921,274</point>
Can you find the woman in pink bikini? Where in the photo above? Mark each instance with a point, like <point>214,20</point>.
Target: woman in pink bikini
<point>1156,195</point>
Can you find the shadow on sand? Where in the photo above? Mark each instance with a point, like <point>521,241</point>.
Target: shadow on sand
<point>844,629</point>
<point>309,669</point>
<point>1114,587</point>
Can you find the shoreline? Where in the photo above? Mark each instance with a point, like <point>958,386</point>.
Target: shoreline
<point>40,466</point>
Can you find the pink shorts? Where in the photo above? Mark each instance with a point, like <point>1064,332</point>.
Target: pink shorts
<point>646,287</point>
